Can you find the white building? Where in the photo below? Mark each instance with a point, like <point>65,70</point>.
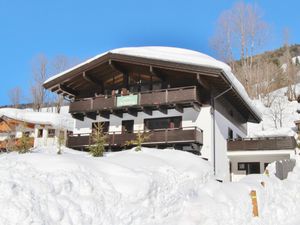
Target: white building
<point>181,98</point>
<point>46,128</point>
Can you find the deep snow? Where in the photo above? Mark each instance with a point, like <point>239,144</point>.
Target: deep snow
<point>128,187</point>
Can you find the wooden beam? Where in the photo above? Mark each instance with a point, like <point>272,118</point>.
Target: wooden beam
<point>132,112</point>
<point>147,110</point>
<point>91,115</point>
<point>163,109</point>
<point>202,82</point>
<point>68,90</point>
<point>78,116</point>
<point>104,114</point>
<point>116,67</point>
<point>154,73</point>
<point>196,106</point>
<point>91,80</point>
<point>117,113</point>
<point>179,108</point>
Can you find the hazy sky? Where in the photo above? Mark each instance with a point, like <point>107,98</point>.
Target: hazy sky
<point>82,29</point>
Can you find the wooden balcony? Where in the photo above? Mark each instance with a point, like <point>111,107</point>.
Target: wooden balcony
<point>260,144</point>
<point>165,97</point>
<point>155,137</point>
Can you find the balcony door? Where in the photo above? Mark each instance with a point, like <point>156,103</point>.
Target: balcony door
<point>163,123</point>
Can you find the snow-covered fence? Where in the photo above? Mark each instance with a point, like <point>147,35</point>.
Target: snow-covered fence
<point>283,167</point>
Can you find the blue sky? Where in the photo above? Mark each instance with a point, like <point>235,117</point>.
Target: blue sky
<point>82,29</point>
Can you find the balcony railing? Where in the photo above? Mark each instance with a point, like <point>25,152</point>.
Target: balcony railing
<point>148,98</point>
<point>161,136</point>
<point>256,144</point>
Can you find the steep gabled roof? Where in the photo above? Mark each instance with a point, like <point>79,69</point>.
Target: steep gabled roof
<point>175,58</point>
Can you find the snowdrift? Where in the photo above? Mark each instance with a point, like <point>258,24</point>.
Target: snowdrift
<point>132,188</point>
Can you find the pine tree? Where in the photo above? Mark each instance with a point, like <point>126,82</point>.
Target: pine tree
<point>97,147</point>
<point>24,141</point>
<point>140,139</point>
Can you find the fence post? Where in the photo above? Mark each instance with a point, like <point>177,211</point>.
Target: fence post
<point>254,203</point>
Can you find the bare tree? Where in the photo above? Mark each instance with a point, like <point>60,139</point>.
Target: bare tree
<point>242,30</point>
<point>278,110</point>
<point>39,74</point>
<point>290,68</point>
<point>14,95</point>
<point>59,64</point>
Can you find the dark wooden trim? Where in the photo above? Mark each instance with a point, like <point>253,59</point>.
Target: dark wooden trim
<point>78,116</point>
<point>178,108</point>
<point>186,135</point>
<point>147,110</point>
<point>68,90</point>
<point>163,109</point>
<point>260,144</point>
<point>91,115</point>
<point>104,114</point>
<point>132,111</point>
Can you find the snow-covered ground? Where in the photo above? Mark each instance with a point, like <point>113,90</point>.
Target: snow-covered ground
<point>148,187</point>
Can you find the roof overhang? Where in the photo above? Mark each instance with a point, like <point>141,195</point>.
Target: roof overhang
<point>62,83</point>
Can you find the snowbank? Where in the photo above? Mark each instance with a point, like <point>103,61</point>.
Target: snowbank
<point>56,120</point>
<point>132,188</point>
<point>122,188</point>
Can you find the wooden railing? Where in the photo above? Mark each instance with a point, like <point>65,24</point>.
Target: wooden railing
<point>148,98</point>
<point>161,136</point>
<point>255,144</point>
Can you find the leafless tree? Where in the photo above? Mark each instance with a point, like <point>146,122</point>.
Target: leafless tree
<point>14,95</point>
<point>242,31</point>
<point>290,68</point>
<point>39,75</point>
<point>278,110</point>
<point>59,64</point>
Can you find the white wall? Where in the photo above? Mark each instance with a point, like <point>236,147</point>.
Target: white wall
<point>46,141</point>
<point>221,135</point>
<point>265,156</point>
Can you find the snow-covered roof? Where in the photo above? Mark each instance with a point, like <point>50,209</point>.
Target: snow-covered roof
<point>55,120</point>
<point>177,55</point>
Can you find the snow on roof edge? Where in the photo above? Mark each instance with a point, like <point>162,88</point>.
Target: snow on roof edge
<point>179,55</point>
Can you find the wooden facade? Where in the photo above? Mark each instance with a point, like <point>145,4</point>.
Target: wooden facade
<point>155,137</point>
<point>146,101</point>
<point>260,144</point>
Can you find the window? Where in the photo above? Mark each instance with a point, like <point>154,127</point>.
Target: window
<point>104,124</point>
<point>230,134</point>
<point>40,133</point>
<point>127,126</point>
<point>26,134</point>
<point>163,123</point>
<point>51,133</point>
<point>250,167</point>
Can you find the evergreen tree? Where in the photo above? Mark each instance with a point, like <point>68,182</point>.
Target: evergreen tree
<point>24,141</point>
<point>97,147</point>
<point>140,139</point>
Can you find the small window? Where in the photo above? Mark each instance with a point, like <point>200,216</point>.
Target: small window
<point>265,165</point>
<point>230,134</point>
<point>51,133</point>
<point>40,133</point>
<point>26,134</point>
<point>241,166</point>
<point>127,126</point>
